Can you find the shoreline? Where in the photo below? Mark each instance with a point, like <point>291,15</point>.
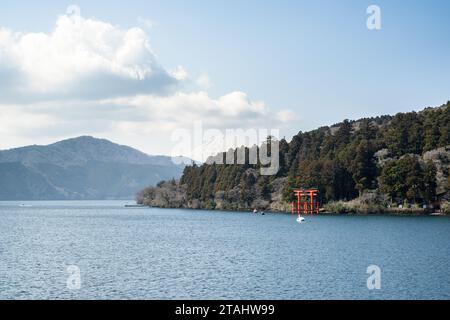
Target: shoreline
<point>324,213</point>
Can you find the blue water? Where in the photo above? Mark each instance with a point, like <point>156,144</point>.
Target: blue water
<point>148,253</point>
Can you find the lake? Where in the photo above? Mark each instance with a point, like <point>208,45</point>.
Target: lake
<point>148,253</point>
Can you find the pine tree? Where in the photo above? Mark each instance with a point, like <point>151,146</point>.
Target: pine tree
<point>429,182</point>
<point>364,167</point>
<point>264,185</point>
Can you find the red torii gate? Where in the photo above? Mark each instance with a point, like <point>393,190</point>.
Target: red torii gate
<point>309,206</point>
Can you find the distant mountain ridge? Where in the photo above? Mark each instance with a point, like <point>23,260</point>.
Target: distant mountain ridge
<point>80,168</point>
<point>78,151</point>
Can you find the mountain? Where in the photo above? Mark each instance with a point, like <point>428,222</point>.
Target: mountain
<point>80,168</point>
<point>363,165</point>
<point>79,151</point>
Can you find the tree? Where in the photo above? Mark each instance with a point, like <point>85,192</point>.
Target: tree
<point>407,179</point>
<point>343,134</point>
<point>432,132</point>
<point>283,154</point>
<point>366,130</point>
<point>265,189</point>
<point>246,194</point>
<point>287,192</point>
<point>405,134</point>
<point>398,179</point>
<point>364,167</point>
<point>413,177</point>
<point>429,182</point>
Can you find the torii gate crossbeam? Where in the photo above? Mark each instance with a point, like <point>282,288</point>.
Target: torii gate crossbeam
<point>309,205</point>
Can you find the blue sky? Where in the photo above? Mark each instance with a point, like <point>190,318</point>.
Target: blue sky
<point>314,58</point>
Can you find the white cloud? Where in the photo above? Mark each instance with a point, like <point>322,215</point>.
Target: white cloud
<point>78,54</point>
<point>180,73</point>
<point>181,109</point>
<point>204,81</point>
<point>15,121</point>
<point>91,77</point>
<point>149,24</point>
<point>286,116</point>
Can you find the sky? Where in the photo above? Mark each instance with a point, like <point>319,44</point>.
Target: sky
<point>138,72</point>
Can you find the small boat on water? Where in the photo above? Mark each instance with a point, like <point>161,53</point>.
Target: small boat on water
<point>300,219</point>
<point>255,210</point>
<point>25,205</point>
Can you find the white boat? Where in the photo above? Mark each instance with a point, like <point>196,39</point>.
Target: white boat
<point>300,219</point>
<point>255,211</point>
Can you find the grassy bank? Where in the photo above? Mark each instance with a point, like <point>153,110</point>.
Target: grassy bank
<point>375,206</point>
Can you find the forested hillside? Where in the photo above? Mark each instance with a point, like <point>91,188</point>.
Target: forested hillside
<point>402,159</point>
